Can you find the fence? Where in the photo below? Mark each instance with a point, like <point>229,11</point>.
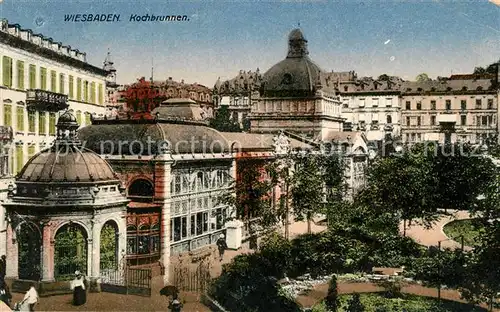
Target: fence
<point>129,281</point>
<point>192,279</point>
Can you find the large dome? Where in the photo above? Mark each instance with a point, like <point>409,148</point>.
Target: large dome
<point>66,161</point>
<point>297,74</point>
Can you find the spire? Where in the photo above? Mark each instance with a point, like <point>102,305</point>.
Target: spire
<point>297,44</point>
<point>108,63</point>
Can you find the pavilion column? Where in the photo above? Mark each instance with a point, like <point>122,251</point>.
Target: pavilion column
<point>47,254</point>
<point>95,256</point>
<point>12,254</point>
<point>162,190</point>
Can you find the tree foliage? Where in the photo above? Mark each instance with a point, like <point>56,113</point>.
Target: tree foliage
<point>223,122</point>
<point>354,304</point>
<point>422,77</point>
<point>332,301</point>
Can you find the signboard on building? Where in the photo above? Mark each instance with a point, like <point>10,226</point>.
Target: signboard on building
<point>45,100</point>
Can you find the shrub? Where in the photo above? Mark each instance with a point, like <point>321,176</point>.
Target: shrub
<point>355,304</point>
<point>332,300</point>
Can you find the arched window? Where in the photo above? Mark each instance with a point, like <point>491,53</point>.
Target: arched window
<point>141,187</point>
<point>389,119</point>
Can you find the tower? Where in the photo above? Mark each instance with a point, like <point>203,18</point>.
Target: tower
<point>110,68</point>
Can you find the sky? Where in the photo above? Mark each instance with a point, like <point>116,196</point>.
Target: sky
<point>402,38</point>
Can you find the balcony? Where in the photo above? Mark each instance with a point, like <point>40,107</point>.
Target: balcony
<point>42,100</point>
<point>388,128</point>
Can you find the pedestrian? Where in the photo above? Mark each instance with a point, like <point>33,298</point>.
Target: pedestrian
<point>5,294</point>
<point>3,267</point>
<point>175,305</point>
<point>222,245</point>
<point>31,297</point>
<point>78,288</point>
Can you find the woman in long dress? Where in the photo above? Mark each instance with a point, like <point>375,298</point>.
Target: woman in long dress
<point>78,287</point>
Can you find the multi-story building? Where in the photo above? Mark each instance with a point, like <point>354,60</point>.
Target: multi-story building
<point>236,94</point>
<point>369,105</point>
<point>449,110</point>
<point>168,89</point>
<point>40,77</point>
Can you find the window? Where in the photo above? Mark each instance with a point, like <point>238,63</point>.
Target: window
<point>43,78</point>
<point>88,120</point>
<point>433,120</point>
<point>388,103</point>
<point>20,75</point>
<point>7,115</point>
<point>85,91</point>
<point>101,94</point>
<point>419,105</point>
<point>79,89</point>
<point>490,103</point>
<point>490,120</point>
<point>20,118</point>
<point>19,158</point>
<point>31,150</point>
<point>53,81</point>
<point>31,121</point>
<point>408,121</point>
<point>180,228</point>
<point>478,121</point>
<point>484,121</point>
<point>433,105</point>
<point>418,121</point>
<point>375,102</point>
<point>61,83</point>
<point>408,105</point>
<point>79,117</point>
<point>92,93</point>
<point>478,104</point>
<point>71,87</point>
<point>463,120</point>
<point>389,119</point>
<point>32,76</point>
<point>361,102</point>
<point>7,71</point>
<point>448,104</point>
<point>463,104</point>
<point>52,123</point>
<point>42,129</point>
<point>346,88</point>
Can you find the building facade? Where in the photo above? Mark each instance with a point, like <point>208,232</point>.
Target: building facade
<point>370,106</point>
<point>236,94</point>
<point>449,111</point>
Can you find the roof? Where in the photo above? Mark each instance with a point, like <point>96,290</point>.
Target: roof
<point>297,74</point>
<point>185,109</point>
<point>249,141</point>
<point>67,164</point>
<point>149,137</point>
<point>446,86</point>
<point>66,161</point>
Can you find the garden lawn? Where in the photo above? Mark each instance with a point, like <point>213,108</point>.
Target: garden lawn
<point>469,228</point>
<point>408,303</point>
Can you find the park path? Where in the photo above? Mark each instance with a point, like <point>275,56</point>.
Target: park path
<point>432,236</point>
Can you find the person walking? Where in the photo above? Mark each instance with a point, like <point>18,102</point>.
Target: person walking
<point>31,298</point>
<point>78,288</point>
<point>222,245</point>
<point>175,305</point>
<point>3,267</point>
<point>5,294</point>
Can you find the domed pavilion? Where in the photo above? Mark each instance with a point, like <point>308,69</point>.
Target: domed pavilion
<point>65,213</point>
<point>297,96</point>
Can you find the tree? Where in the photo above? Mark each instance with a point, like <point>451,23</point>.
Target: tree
<point>332,301</point>
<point>403,186</point>
<point>422,77</point>
<point>249,194</point>
<point>223,122</point>
<point>354,304</point>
